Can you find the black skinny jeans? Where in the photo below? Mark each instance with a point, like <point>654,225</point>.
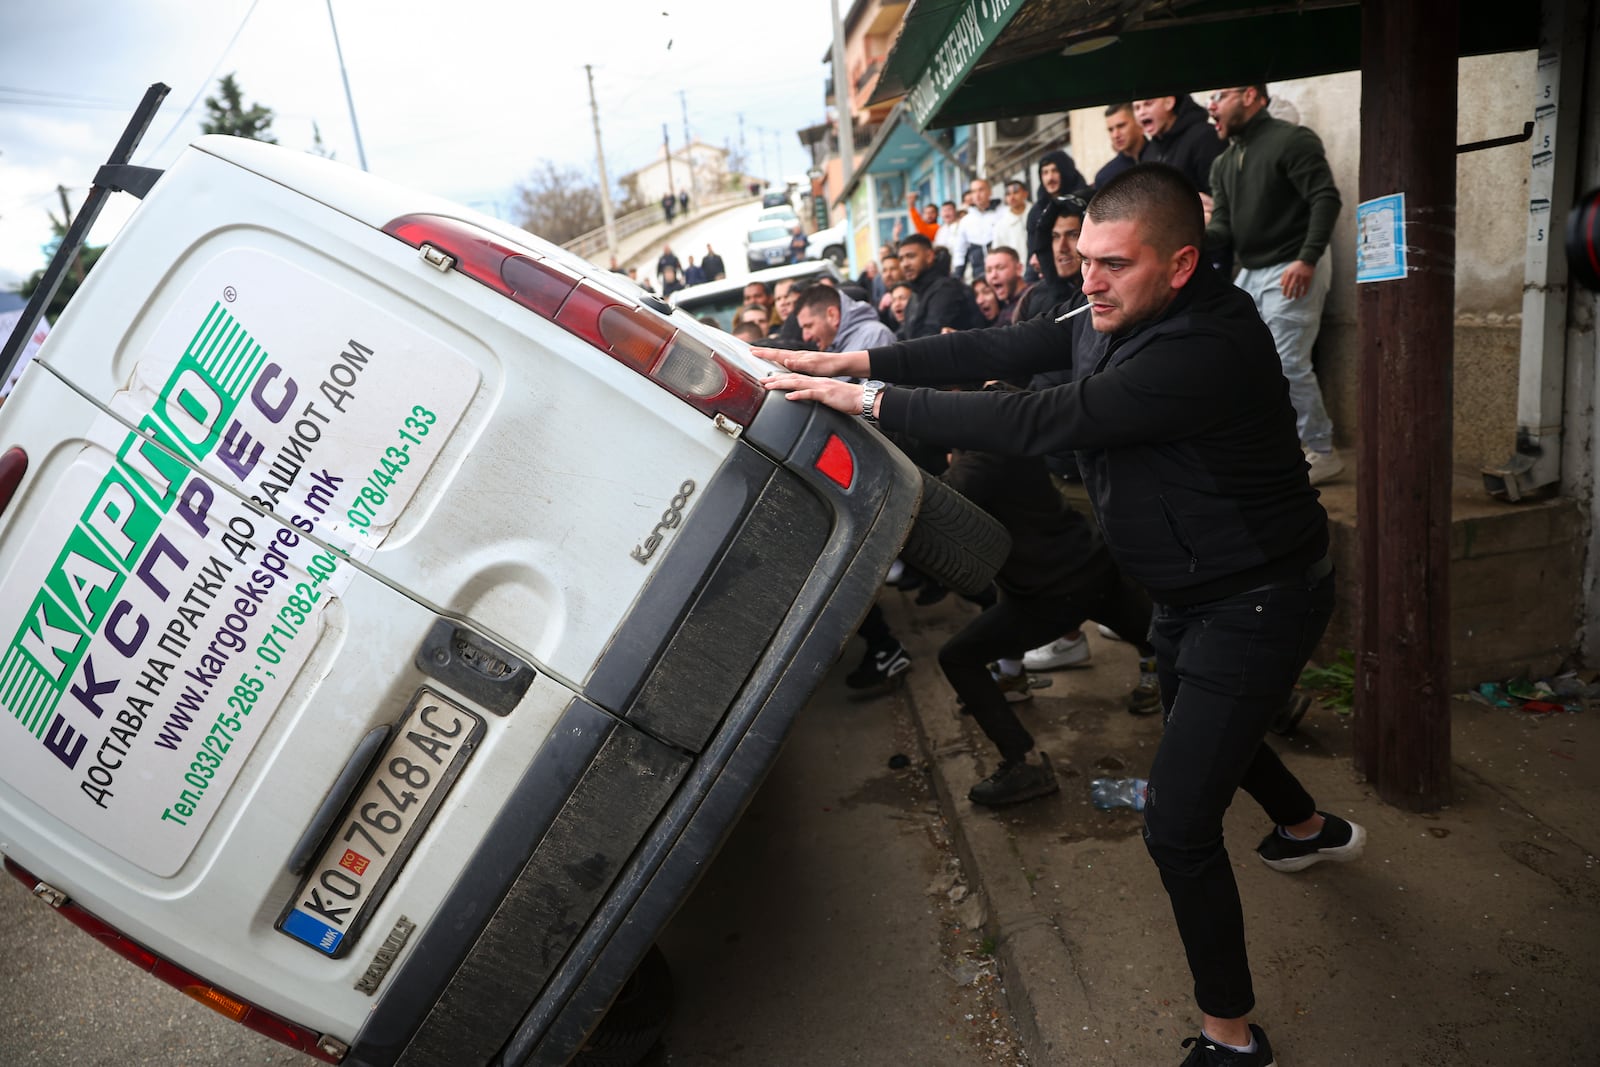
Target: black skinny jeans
<point>1016,624</point>
<point>1226,668</point>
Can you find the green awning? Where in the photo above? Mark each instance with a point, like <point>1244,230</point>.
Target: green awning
<point>964,61</point>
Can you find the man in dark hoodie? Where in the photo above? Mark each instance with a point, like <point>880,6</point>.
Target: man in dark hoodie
<point>938,301</point>
<point>1178,132</point>
<point>1057,175</point>
<point>1187,442</point>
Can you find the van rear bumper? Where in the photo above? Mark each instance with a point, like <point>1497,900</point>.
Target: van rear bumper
<point>637,787</point>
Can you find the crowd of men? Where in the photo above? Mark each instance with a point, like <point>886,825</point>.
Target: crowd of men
<point>1101,334</point>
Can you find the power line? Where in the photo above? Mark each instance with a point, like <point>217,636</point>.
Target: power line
<point>204,83</point>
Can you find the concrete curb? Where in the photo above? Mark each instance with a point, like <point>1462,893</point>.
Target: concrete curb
<point>1043,986</point>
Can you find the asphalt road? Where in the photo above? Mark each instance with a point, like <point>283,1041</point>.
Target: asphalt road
<point>830,930</point>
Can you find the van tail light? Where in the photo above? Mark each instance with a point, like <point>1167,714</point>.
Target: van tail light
<point>328,1050</point>
<point>836,463</point>
<point>635,336</point>
<point>13,465</point>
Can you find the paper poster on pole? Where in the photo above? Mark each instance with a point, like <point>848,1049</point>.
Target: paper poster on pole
<point>1381,239</point>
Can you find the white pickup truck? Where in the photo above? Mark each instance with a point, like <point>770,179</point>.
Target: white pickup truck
<point>398,611</point>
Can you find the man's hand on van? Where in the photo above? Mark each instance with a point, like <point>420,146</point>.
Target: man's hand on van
<point>855,364</point>
<point>831,392</point>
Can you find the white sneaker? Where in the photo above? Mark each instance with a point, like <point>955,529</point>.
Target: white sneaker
<point>1324,465</point>
<point>1107,632</point>
<point>1061,654</point>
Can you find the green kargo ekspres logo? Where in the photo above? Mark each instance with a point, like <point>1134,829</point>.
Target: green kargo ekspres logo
<point>117,537</point>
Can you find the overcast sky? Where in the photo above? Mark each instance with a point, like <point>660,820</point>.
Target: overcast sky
<point>462,98</point>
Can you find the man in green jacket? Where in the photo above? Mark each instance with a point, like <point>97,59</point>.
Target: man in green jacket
<point>1275,201</point>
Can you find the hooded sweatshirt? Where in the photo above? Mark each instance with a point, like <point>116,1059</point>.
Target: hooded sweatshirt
<point>1071,180</point>
<point>859,327</point>
<point>1190,145</point>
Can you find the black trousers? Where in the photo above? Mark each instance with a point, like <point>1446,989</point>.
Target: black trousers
<point>1226,668</point>
<point>1016,624</point>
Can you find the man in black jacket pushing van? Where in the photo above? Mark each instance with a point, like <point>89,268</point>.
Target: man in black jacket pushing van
<point>1181,419</point>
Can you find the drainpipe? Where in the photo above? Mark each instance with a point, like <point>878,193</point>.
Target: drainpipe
<point>1535,467</point>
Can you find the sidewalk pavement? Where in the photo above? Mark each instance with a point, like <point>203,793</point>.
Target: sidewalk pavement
<point>1470,936</point>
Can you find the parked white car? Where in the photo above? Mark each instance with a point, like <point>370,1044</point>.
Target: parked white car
<point>828,244</point>
<point>384,660</point>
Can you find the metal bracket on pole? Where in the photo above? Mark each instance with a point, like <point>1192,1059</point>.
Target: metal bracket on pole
<point>1535,467</point>
<point>115,175</point>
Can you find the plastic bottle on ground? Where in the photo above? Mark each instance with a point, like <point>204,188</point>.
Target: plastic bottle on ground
<point>1108,793</point>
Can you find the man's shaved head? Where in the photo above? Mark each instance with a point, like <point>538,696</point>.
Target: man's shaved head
<point>1158,197</point>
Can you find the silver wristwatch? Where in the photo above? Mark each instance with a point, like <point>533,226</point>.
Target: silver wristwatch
<point>869,398</point>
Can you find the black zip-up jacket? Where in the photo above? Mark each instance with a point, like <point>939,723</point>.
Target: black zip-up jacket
<point>1191,144</point>
<point>938,301</point>
<point>1183,429</point>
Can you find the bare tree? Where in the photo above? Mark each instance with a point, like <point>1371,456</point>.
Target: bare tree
<point>558,203</point>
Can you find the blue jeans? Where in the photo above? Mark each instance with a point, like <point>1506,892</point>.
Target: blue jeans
<point>1226,668</point>
<point>1294,325</point>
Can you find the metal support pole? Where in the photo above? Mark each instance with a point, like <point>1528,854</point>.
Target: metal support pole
<point>350,101</point>
<point>1406,330</point>
<point>842,102</point>
<point>606,211</point>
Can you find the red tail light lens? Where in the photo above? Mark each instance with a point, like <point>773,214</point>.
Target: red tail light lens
<point>643,340</point>
<point>240,1011</point>
<point>13,465</point>
<point>836,463</point>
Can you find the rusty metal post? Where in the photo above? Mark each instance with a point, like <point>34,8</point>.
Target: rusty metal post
<point>1406,329</point>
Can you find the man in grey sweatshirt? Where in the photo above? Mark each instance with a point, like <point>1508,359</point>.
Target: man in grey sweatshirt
<point>835,323</point>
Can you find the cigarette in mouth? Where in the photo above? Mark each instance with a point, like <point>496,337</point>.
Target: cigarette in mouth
<point>1074,311</point>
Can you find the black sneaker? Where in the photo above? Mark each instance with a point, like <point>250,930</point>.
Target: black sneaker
<point>1207,1053</point>
<point>1014,782</point>
<point>879,667</point>
<point>1339,841</point>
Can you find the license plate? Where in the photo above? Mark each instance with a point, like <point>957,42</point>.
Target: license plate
<point>383,824</point>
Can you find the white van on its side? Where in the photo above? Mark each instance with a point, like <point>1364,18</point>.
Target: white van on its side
<point>399,611</point>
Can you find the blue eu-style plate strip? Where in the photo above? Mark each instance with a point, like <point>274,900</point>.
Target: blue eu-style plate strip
<point>314,932</point>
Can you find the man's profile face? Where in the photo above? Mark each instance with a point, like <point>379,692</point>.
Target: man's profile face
<point>891,270</point>
<point>1126,135</point>
<point>1155,116</point>
<point>820,328</point>
<point>1230,109</point>
<point>1064,245</point>
<point>914,259</point>
<point>1017,198</point>
<point>1003,273</point>
<point>1127,280</point>
<point>1050,178</point>
<point>756,293</point>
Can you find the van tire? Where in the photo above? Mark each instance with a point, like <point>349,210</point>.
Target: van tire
<point>834,254</point>
<point>634,1023</point>
<point>954,541</point>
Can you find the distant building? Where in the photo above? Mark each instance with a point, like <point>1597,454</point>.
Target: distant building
<point>699,168</point>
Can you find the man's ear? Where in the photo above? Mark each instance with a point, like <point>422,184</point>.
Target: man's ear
<point>1183,264</point>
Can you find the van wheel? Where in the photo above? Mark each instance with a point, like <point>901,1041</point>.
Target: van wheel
<point>955,542</point>
<point>633,1025</point>
<point>834,254</point>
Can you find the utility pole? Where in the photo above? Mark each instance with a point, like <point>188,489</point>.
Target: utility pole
<point>744,153</point>
<point>600,158</point>
<point>842,103</point>
<point>350,101</point>
<point>688,148</point>
<point>761,142</point>
<point>666,150</point>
